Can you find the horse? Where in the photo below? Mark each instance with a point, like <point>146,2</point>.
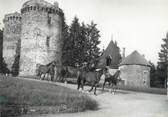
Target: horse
<point>60,73</point>
<point>113,80</point>
<point>45,70</point>
<point>65,71</point>
<point>90,77</point>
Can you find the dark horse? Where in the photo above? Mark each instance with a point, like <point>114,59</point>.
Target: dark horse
<point>45,70</point>
<point>113,80</point>
<point>92,78</point>
<point>66,71</point>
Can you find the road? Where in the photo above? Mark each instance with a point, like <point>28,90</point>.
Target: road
<point>122,104</point>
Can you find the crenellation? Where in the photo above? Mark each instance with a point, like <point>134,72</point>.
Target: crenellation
<point>50,10</point>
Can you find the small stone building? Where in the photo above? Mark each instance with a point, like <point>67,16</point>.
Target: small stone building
<point>135,71</point>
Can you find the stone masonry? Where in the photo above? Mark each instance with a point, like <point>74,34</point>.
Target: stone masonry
<point>40,29</point>
<point>11,36</point>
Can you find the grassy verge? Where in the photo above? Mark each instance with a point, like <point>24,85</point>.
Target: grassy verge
<point>36,97</point>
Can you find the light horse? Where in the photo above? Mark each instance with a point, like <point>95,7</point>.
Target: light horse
<point>113,80</point>
<point>43,70</point>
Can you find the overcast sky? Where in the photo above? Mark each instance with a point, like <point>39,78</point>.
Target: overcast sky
<point>135,24</point>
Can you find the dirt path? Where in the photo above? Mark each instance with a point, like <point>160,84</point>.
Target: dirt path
<point>123,104</point>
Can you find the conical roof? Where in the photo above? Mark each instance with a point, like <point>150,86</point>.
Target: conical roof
<point>109,49</point>
<point>135,59</point>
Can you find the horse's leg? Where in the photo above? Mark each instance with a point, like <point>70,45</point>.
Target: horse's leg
<point>95,89</point>
<point>104,85</point>
<point>111,88</point>
<point>82,84</point>
<point>46,76</point>
<point>115,89</point>
<point>40,76</point>
<point>91,88</point>
<point>78,86</point>
<point>79,83</point>
<point>43,76</point>
<point>49,77</point>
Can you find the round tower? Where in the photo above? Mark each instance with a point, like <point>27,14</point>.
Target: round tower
<point>11,37</point>
<point>40,36</point>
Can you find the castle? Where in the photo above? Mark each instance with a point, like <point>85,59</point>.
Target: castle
<point>39,29</point>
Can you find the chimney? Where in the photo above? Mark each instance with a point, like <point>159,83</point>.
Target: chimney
<point>123,54</point>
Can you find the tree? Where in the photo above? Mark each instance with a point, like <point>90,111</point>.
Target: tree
<point>15,66</point>
<point>80,43</point>
<point>72,44</point>
<point>65,42</point>
<point>153,77</point>
<point>93,36</point>
<point>163,59</point>
<point>1,49</point>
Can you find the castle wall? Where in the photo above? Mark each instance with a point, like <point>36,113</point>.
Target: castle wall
<point>40,38</point>
<point>11,36</point>
<point>135,75</point>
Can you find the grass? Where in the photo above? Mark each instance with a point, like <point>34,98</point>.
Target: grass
<point>39,96</point>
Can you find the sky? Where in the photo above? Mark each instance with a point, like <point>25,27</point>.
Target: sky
<point>135,24</point>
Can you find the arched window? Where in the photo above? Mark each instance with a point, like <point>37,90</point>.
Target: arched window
<point>28,8</point>
<point>46,9</point>
<point>48,41</point>
<point>49,19</point>
<point>34,8</point>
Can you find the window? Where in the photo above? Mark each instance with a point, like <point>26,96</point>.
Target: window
<point>48,41</point>
<point>35,8</point>
<point>49,20</point>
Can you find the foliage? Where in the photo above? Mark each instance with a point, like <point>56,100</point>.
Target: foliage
<point>163,61</point>
<point>65,37</point>
<point>93,52</point>
<point>80,43</point>
<point>15,66</point>
<point>159,74</point>
<point>1,48</point>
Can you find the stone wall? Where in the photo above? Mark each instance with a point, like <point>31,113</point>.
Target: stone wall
<point>40,37</point>
<point>11,36</point>
<point>135,75</point>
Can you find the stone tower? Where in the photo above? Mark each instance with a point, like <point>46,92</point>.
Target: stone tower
<point>11,37</point>
<point>40,36</point>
